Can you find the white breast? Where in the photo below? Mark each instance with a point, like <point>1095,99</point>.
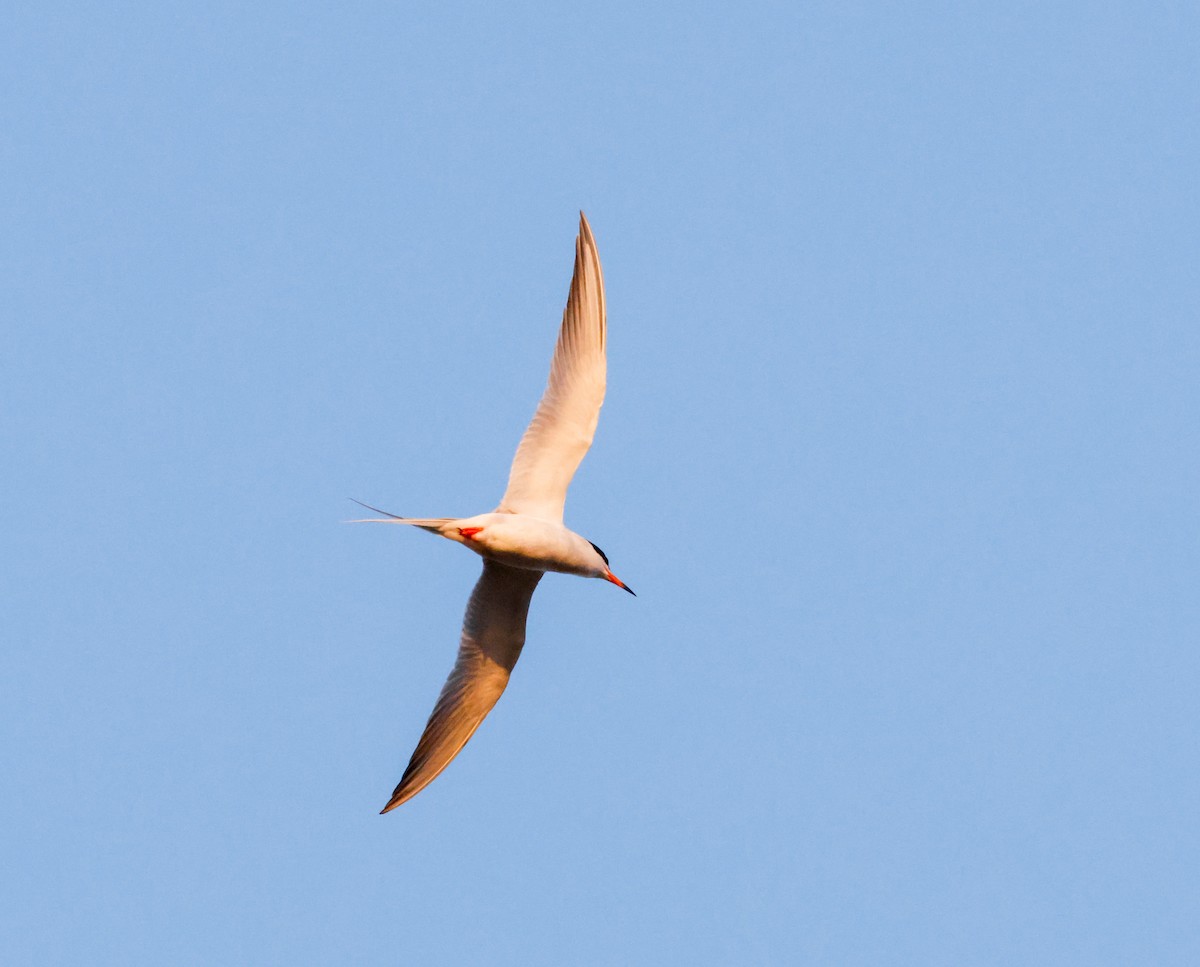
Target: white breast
<point>528,542</point>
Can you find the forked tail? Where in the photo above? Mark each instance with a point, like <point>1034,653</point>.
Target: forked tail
<point>432,524</point>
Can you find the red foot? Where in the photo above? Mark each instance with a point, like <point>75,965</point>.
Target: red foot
<point>469,532</point>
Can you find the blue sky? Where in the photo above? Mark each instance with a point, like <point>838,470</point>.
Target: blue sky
<point>899,453</point>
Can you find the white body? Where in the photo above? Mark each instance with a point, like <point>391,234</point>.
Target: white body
<point>524,537</point>
<point>519,540</point>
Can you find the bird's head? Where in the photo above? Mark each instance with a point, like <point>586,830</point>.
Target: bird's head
<point>602,571</point>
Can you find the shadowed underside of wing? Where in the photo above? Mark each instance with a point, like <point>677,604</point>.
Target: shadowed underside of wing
<point>492,636</point>
<point>565,421</point>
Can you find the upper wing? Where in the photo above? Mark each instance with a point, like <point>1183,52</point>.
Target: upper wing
<point>492,636</point>
<point>565,421</point>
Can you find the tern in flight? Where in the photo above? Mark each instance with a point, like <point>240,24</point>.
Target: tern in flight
<point>524,537</point>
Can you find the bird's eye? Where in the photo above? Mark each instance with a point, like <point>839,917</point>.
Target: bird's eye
<point>600,552</point>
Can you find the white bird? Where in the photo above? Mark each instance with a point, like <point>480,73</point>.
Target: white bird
<point>524,537</point>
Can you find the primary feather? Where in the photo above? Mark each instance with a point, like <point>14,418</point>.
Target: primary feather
<point>565,421</point>
<point>492,637</point>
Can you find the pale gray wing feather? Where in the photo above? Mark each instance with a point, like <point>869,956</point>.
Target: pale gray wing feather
<point>565,421</point>
<point>492,636</point>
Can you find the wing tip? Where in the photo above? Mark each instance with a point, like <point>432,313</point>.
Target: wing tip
<point>402,794</point>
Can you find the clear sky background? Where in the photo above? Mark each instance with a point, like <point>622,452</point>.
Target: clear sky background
<point>900,453</point>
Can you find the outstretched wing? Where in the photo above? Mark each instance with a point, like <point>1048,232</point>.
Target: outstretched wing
<point>492,636</point>
<point>565,421</point>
